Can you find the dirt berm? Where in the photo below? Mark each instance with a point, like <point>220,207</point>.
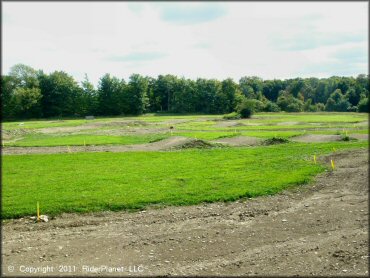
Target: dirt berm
<point>315,229</point>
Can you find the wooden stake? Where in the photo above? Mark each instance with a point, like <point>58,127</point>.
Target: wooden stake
<point>332,164</point>
<point>38,212</point>
<point>314,158</point>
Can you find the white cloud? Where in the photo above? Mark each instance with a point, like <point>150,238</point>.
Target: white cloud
<point>270,40</point>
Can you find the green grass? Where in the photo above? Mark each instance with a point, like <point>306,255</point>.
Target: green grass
<point>316,117</point>
<point>83,182</point>
<point>42,124</point>
<point>208,135</point>
<point>43,140</point>
<point>270,134</point>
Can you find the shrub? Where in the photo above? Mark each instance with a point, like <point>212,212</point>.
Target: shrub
<point>246,108</point>
<point>275,140</point>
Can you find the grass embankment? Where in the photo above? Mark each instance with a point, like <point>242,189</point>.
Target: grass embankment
<point>83,182</point>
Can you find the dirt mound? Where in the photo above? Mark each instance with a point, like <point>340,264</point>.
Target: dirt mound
<point>172,142</point>
<point>239,141</point>
<point>314,138</point>
<point>320,229</point>
<point>196,144</point>
<point>275,141</point>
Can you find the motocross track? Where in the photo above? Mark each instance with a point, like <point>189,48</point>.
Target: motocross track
<point>315,229</point>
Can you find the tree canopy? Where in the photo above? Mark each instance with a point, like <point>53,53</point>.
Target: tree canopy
<point>31,93</point>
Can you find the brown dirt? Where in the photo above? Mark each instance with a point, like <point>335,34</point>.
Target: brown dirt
<point>91,125</point>
<point>173,142</point>
<point>359,136</point>
<point>364,123</point>
<point>288,123</point>
<point>316,229</point>
<point>130,131</point>
<point>13,134</point>
<point>239,141</point>
<point>314,138</point>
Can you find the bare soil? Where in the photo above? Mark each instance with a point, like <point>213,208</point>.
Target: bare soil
<point>359,136</point>
<point>239,141</point>
<point>288,123</point>
<point>91,125</point>
<point>314,138</point>
<point>173,142</point>
<point>315,229</point>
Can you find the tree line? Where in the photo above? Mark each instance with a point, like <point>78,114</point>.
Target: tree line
<point>30,93</point>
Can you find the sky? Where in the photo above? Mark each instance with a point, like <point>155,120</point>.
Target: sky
<point>188,39</point>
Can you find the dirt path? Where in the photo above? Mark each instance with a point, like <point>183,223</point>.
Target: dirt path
<point>312,138</point>
<point>317,229</point>
<point>239,141</point>
<point>172,142</point>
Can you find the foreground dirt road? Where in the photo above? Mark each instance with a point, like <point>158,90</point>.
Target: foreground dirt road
<point>316,229</point>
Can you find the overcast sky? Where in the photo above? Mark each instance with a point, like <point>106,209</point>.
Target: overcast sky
<point>209,39</point>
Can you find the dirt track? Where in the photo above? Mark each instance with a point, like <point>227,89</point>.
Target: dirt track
<point>317,229</point>
<point>172,142</point>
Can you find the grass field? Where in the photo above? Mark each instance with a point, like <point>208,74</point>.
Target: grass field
<point>111,181</point>
<point>82,182</point>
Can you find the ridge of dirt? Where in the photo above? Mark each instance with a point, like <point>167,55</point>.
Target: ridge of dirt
<point>318,229</point>
<point>239,141</point>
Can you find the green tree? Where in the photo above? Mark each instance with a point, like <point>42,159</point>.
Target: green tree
<point>337,102</point>
<point>89,98</point>
<point>111,96</point>
<point>8,86</point>
<point>271,107</point>
<point>251,86</point>
<point>60,94</point>
<point>136,94</point>
<point>363,105</point>
<point>26,102</point>
<point>24,76</point>
<point>226,98</point>
<point>288,103</point>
